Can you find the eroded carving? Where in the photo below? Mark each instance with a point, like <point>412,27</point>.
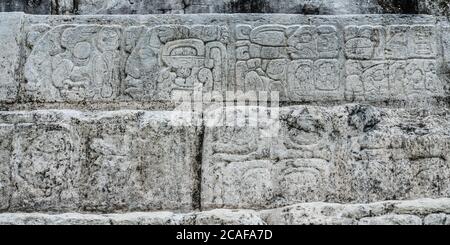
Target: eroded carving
<point>75,63</point>
<point>245,169</point>
<point>134,164</point>
<point>173,58</point>
<point>45,168</point>
<point>287,59</point>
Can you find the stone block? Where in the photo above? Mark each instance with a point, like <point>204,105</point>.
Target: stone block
<point>330,154</point>
<point>345,58</point>
<point>68,161</point>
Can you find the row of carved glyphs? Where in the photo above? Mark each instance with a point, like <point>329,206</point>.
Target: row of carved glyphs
<point>316,157</point>
<point>85,62</point>
<point>242,167</point>
<point>305,61</point>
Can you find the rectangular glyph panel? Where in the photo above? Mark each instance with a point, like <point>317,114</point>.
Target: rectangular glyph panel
<point>113,59</point>
<point>325,154</point>
<point>67,161</point>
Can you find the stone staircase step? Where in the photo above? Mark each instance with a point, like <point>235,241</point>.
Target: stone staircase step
<point>414,212</point>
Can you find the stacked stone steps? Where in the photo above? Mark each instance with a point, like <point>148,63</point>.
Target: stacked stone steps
<point>91,133</point>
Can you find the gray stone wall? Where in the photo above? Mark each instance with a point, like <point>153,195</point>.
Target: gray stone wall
<point>351,109</point>
<point>373,58</point>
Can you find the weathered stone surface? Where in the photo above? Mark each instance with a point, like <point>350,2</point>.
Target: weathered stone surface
<point>138,161</point>
<point>66,161</point>
<point>224,217</point>
<point>27,6</point>
<point>304,59</point>
<point>46,219</point>
<point>338,154</point>
<point>10,38</point>
<point>380,213</point>
<point>437,219</point>
<point>391,220</point>
<point>5,171</point>
<point>105,159</point>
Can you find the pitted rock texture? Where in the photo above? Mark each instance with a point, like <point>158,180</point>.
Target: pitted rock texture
<point>67,161</point>
<point>418,212</point>
<point>340,154</point>
<point>70,161</point>
<point>91,131</point>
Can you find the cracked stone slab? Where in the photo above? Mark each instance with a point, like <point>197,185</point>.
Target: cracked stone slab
<point>68,161</point>
<point>321,59</point>
<point>353,153</point>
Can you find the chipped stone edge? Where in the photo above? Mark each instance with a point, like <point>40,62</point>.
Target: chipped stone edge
<point>412,212</point>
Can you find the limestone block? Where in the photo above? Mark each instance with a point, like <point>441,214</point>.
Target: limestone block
<point>10,38</point>
<point>343,58</point>
<point>437,219</point>
<point>379,213</point>
<point>5,171</point>
<point>308,214</point>
<point>335,154</point>
<point>138,161</point>
<point>67,161</point>
<point>392,220</point>
<point>223,217</point>
<point>45,167</point>
<point>46,219</point>
<point>152,218</point>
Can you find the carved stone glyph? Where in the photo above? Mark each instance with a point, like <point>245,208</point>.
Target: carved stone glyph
<point>327,60</point>
<point>340,154</point>
<point>67,161</point>
<point>175,58</point>
<point>73,63</point>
